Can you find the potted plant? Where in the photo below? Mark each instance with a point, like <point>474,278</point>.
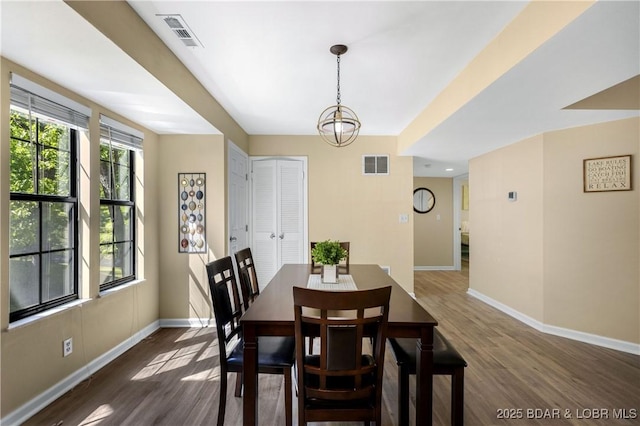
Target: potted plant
<point>328,253</point>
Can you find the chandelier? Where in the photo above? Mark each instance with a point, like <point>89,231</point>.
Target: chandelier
<point>338,125</point>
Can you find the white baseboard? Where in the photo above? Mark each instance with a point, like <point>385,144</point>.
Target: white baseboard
<point>186,322</point>
<point>433,268</point>
<point>593,339</point>
<point>29,409</point>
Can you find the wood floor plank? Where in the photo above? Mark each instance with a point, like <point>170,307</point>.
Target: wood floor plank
<point>172,377</point>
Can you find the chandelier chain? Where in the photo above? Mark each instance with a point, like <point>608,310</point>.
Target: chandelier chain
<point>338,97</point>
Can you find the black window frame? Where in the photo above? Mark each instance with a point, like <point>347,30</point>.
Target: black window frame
<point>40,199</point>
<point>114,203</point>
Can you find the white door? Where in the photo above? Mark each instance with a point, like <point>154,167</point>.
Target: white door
<point>238,170</point>
<point>278,214</point>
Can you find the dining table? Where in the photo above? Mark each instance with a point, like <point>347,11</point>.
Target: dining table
<point>272,314</point>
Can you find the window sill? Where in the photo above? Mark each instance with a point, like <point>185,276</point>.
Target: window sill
<point>120,287</point>
<point>46,314</point>
<point>53,311</point>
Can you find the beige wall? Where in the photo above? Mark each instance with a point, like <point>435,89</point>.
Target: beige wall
<point>347,206</point>
<point>32,353</point>
<point>506,257</point>
<point>560,256</point>
<point>184,291</point>
<point>591,244</point>
<point>433,231</point>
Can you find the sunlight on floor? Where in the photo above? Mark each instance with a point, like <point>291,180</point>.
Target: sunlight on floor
<point>195,332</point>
<point>99,414</point>
<point>209,352</point>
<point>171,360</point>
<point>210,375</point>
<point>206,348</point>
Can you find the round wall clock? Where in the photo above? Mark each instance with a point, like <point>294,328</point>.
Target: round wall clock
<point>423,200</point>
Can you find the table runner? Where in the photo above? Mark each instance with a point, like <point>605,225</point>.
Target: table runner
<point>345,282</point>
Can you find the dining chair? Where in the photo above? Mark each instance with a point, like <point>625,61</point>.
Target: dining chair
<point>247,276</point>
<point>343,268</point>
<point>276,355</point>
<point>343,382</point>
<point>446,361</point>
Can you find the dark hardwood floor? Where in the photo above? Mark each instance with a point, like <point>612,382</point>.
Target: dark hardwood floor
<point>171,377</point>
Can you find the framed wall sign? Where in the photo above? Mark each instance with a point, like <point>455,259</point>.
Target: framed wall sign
<point>191,213</point>
<point>607,174</point>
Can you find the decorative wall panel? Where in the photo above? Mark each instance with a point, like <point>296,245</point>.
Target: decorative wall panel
<point>191,213</point>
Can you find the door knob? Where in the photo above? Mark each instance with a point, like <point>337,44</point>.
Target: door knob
<point>232,239</point>
<point>272,236</point>
<point>281,236</point>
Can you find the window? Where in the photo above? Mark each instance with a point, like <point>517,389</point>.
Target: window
<point>117,203</point>
<point>43,206</point>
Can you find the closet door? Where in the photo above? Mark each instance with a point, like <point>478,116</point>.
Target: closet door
<point>264,219</point>
<point>290,217</point>
<point>278,215</point>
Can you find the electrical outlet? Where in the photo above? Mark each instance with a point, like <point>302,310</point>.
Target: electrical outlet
<point>67,347</point>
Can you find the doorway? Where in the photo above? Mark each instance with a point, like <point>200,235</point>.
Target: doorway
<point>460,220</point>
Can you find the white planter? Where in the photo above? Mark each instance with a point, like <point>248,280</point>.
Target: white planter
<point>329,273</point>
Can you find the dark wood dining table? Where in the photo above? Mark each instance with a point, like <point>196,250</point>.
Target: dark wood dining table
<point>272,315</point>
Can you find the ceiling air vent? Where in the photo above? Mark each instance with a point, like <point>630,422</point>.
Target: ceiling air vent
<point>180,28</point>
<point>375,164</point>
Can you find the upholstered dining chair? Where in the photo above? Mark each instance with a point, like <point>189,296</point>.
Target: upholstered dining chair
<point>343,268</point>
<point>276,355</point>
<point>342,382</point>
<point>446,361</point>
<point>247,276</point>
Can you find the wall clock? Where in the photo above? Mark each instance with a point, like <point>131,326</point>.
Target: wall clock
<point>423,200</point>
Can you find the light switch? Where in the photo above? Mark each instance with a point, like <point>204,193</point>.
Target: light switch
<point>404,218</point>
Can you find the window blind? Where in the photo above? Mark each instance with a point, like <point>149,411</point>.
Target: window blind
<point>120,134</point>
<point>37,99</point>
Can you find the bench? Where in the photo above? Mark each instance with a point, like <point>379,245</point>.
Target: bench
<point>446,361</point>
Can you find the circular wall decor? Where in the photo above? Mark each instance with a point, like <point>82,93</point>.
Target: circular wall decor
<point>423,200</point>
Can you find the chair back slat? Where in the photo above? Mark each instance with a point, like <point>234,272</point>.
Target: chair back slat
<point>247,276</point>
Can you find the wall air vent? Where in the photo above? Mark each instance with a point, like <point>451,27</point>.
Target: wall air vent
<point>375,164</point>
<point>180,28</point>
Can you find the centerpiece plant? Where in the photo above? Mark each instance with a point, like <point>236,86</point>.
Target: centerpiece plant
<point>329,253</point>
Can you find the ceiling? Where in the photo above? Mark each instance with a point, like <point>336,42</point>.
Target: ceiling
<point>268,64</point>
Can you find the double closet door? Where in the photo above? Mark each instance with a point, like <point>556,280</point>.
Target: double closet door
<point>278,214</point>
